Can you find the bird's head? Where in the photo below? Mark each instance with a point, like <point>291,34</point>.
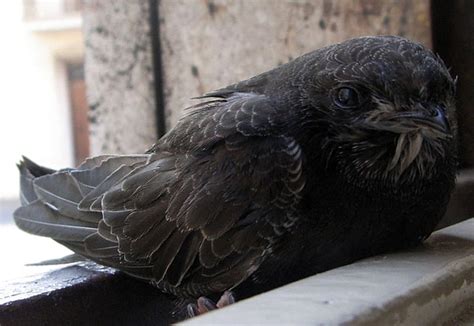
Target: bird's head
<point>383,109</point>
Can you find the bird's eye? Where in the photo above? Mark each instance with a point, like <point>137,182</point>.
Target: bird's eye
<point>347,97</point>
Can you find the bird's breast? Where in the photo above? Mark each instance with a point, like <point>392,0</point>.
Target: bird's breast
<point>341,223</point>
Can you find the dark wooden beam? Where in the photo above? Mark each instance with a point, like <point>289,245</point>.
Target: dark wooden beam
<point>453,40</point>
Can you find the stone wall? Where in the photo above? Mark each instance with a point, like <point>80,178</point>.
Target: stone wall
<point>119,78</point>
<point>208,44</point>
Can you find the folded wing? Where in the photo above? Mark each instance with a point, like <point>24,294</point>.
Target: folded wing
<point>197,214</point>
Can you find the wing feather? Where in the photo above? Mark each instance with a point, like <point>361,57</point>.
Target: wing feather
<point>199,212</point>
<point>167,253</point>
<point>99,247</point>
<point>184,259</point>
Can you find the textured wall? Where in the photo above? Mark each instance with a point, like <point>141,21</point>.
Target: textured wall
<point>118,66</point>
<point>208,44</point>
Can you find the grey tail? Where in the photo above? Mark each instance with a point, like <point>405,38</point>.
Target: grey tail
<point>65,205</point>
<point>47,197</point>
<point>28,172</point>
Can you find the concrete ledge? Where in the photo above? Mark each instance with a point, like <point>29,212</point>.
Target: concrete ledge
<point>83,294</point>
<point>432,284</point>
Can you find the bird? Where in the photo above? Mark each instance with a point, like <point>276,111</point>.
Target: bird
<point>345,152</point>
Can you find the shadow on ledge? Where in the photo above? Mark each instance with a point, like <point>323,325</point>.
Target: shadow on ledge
<point>83,294</point>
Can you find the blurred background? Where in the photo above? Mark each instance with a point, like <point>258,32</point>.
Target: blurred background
<point>43,108</point>
<point>84,77</point>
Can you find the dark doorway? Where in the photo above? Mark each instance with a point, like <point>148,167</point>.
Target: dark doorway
<point>79,109</point>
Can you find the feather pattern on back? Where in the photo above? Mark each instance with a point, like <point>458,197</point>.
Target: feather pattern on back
<point>190,214</point>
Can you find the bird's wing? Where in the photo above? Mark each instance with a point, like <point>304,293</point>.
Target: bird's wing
<point>197,213</point>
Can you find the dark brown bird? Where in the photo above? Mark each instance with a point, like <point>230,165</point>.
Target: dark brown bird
<point>345,152</point>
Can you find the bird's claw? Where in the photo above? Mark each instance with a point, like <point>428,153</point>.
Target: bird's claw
<point>204,304</point>
<point>226,299</point>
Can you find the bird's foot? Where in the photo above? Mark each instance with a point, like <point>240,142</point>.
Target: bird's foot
<point>204,304</point>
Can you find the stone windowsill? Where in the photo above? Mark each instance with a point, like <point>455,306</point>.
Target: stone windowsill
<point>433,284</point>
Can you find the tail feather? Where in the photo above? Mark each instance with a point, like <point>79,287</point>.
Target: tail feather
<point>50,200</point>
<point>92,201</point>
<point>51,207</point>
<point>39,219</point>
<point>64,198</point>
<point>28,172</point>
<point>34,169</point>
<point>27,192</point>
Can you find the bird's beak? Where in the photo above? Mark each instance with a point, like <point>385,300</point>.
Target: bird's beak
<point>426,125</point>
<point>430,122</point>
<point>442,120</point>
<point>434,119</point>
